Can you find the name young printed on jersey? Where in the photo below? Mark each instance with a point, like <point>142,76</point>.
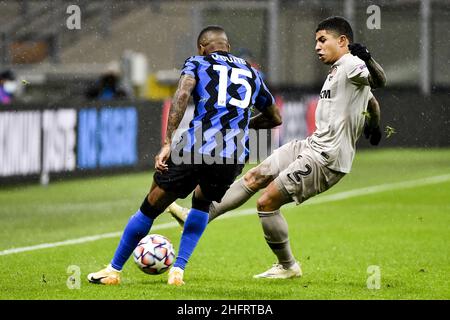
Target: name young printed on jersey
<point>230,58</point>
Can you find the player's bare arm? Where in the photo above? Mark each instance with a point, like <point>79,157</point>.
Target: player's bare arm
<point>267,119</point>
<point>179,104</point>
<point>377,77</point>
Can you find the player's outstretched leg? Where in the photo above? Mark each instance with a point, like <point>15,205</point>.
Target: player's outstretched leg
<point>137,227</point>
<point>276,234</point>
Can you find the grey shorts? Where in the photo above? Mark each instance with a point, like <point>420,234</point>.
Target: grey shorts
<point>297,172</point>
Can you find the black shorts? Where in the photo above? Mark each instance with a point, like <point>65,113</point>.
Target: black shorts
<point>214,179</point>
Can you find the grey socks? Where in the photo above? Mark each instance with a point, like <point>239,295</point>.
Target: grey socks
<point>273,223</point>
<point>236,195</point>
<point>276,233</point>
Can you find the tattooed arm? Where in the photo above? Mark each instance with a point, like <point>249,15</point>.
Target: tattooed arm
<point>179,103</point>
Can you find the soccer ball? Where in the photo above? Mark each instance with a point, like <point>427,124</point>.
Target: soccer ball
<point>154,254</point>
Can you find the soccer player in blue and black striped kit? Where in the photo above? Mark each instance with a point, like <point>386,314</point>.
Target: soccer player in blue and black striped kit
<point>209,155</point>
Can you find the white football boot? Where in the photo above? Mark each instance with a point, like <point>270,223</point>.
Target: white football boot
<point>176,276</point>
<point>279,272</point>
<point>179,213</point>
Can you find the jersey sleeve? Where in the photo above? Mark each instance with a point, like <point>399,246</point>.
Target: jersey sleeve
<point>189,67</point>
<point>264,99</point>
<point>357,72</point>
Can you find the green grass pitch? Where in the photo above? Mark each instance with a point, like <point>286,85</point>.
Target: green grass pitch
<point>404,230</point>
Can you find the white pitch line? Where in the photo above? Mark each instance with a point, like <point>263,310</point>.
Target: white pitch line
<point>80,240</point>
<point>242,212</point>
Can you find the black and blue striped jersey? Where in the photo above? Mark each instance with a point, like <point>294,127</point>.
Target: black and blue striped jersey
<point>226,89</point>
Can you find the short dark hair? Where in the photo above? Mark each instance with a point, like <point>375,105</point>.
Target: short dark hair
<point>337,24</point>
<point>208,29</point>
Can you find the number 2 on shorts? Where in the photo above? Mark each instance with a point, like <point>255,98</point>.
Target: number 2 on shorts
<point>296,175</point>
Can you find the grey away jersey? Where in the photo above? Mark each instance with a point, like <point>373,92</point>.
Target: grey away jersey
<point>339,114</point>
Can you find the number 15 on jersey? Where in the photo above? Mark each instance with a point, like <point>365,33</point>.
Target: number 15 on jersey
<point>234,78</point>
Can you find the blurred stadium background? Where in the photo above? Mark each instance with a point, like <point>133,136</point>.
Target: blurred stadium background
<point>62,123</point>
<point>142,44</point>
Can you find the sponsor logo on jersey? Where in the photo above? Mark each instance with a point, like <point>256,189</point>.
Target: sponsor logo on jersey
<point>325,94</point>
